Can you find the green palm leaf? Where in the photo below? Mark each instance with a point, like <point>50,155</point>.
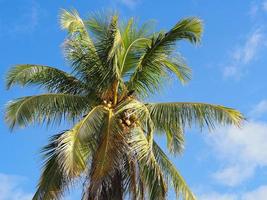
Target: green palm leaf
<point>177,114</point>
<point>107,157</point>
<point>67,154</point>
<point>71,21</point>
<point>151,67</point>
<point>149,169</point>
<point>53,182</point>
<point>54,80</point>
<point>170,172</point>
<point>45,107</point>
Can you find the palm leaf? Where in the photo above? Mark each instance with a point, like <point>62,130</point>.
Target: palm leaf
<point>53,182</point>
<point>175,140</point>
<point>151,68</point>
<point>107,157</point>
<point>45,107</point>
<point>134,40</point>
<point>71,21</point>
<point>175,64</point>
<point>80,141</point>
<point>170,172</point>
<point>54,80</point>
<point>177,114</point>
<point>67,154</point>
<point>149,169</point>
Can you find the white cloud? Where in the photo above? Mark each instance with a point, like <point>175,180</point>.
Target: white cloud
<point>259,193</point>
<point>217,196</point>
<point>233,175</point>
<point>245,54</point>
<point>242,151</point>
<point>259,110</point>
<point>10,188</point>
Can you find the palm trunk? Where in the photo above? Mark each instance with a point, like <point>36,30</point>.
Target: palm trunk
<point>117,190</point>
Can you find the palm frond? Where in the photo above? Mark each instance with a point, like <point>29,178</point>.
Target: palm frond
<point>79,47</point>
<point>81,141</point>
<point>177,114</point>
<point>149,169</point>
<point>134,40</point>
<point>106,160</point>
<point>181,189</point>
<point>175,64</point>
<point>151,68</point>
<point>67,154</point>
<point>53,182</point>
<point>175,140</point>
<point>71,21</point>
<point>52,79</point>
<point>45,108</point>
<point>107,50</point>
<point>98,24</point>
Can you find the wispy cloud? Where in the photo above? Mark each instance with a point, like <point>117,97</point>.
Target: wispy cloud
<point>257,8</point>
<point>233,175</point>
<point>259,193</point>
<point>242,151</point>
<point>129,3</point>
<point>244,54</point>
<point>217,196</point>
<point>26,21</point>
<point>259,110</point>
<point>264,5</point>
<point>29,19</point>
<point>11,188</point>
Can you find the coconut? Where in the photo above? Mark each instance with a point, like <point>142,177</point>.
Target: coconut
<point>128,122</point>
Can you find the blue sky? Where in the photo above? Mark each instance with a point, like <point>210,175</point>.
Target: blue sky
<point>229,68</point>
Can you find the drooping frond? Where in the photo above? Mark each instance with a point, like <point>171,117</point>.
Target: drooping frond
<point>80,142</point>
<point>170,172</point>
<point>45,107</point>
<point>151,67</point>
<point>175,139</point>
<point>67,154</point>
<point>73,155</point>
<point>176,65</point>
<point>106,160</point>
<point>53,182</point>
<point>52,79</point>
<point>149,169</point>
<point>177,114</point>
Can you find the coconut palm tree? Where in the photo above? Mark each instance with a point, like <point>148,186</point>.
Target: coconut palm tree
<point>110,145</point>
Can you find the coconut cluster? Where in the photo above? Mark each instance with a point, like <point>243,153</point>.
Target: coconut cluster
<point>107,103</point>
<point>128,119</point>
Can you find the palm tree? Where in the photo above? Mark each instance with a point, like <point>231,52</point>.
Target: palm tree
<point>110,146</point>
